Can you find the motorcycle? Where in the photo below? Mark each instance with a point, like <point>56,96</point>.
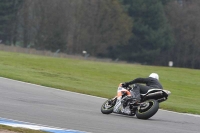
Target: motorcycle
<point>146,108</point>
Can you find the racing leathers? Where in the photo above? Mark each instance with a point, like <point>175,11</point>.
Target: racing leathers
<point>139,88</point>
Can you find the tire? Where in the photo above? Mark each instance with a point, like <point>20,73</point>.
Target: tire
<point>149,110</point>
<point>106,108</point>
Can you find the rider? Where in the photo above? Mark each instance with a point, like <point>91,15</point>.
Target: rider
<point>151,82</point>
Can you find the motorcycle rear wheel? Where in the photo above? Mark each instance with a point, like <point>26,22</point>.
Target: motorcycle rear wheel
<point>147,109</point>
<point>107,108</point>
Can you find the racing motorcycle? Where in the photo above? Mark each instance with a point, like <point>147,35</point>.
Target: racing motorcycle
<point>146,108</point>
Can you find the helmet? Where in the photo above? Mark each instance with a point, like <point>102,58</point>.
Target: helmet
<point>154,75</point>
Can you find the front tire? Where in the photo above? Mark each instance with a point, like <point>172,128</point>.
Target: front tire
<point>148,109</point>
<point>107,108</point>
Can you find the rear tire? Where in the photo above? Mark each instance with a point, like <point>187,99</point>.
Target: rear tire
<point>107,108</point>
<point>145,112</point>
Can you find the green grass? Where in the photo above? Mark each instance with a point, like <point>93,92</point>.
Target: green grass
<point>19,130</point>
<point>100,78</point>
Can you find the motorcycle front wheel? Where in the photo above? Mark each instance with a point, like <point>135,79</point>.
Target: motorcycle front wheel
<point>108,106</point>
<point>147,109</point>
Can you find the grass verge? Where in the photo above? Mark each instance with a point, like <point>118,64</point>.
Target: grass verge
<point>8,129</point>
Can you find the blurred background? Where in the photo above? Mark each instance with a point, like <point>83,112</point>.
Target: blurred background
<point>152,32</point>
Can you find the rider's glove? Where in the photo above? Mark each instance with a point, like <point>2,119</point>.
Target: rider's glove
<point>125,84</point>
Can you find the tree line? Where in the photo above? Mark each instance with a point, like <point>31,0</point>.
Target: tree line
<point>144,31</point>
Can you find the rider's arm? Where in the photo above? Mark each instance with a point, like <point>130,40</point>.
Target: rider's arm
<point>139,80</point>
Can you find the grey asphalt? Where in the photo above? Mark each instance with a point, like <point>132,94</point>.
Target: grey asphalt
<point>68,110</point>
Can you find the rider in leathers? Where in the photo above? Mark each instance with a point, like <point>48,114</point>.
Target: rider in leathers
<point>151,82</point>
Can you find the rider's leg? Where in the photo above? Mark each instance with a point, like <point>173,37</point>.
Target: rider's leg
<point>143,88</point>
<point>135,92</point>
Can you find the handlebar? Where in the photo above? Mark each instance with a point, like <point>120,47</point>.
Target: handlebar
<point>129,88</point>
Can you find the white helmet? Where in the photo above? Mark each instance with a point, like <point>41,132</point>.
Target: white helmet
<point>154,75</point>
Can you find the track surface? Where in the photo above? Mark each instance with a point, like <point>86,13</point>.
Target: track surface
<point>63,109</point>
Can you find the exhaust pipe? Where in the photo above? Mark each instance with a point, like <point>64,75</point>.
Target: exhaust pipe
<point>156,95</point>
<point>162,99</point>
